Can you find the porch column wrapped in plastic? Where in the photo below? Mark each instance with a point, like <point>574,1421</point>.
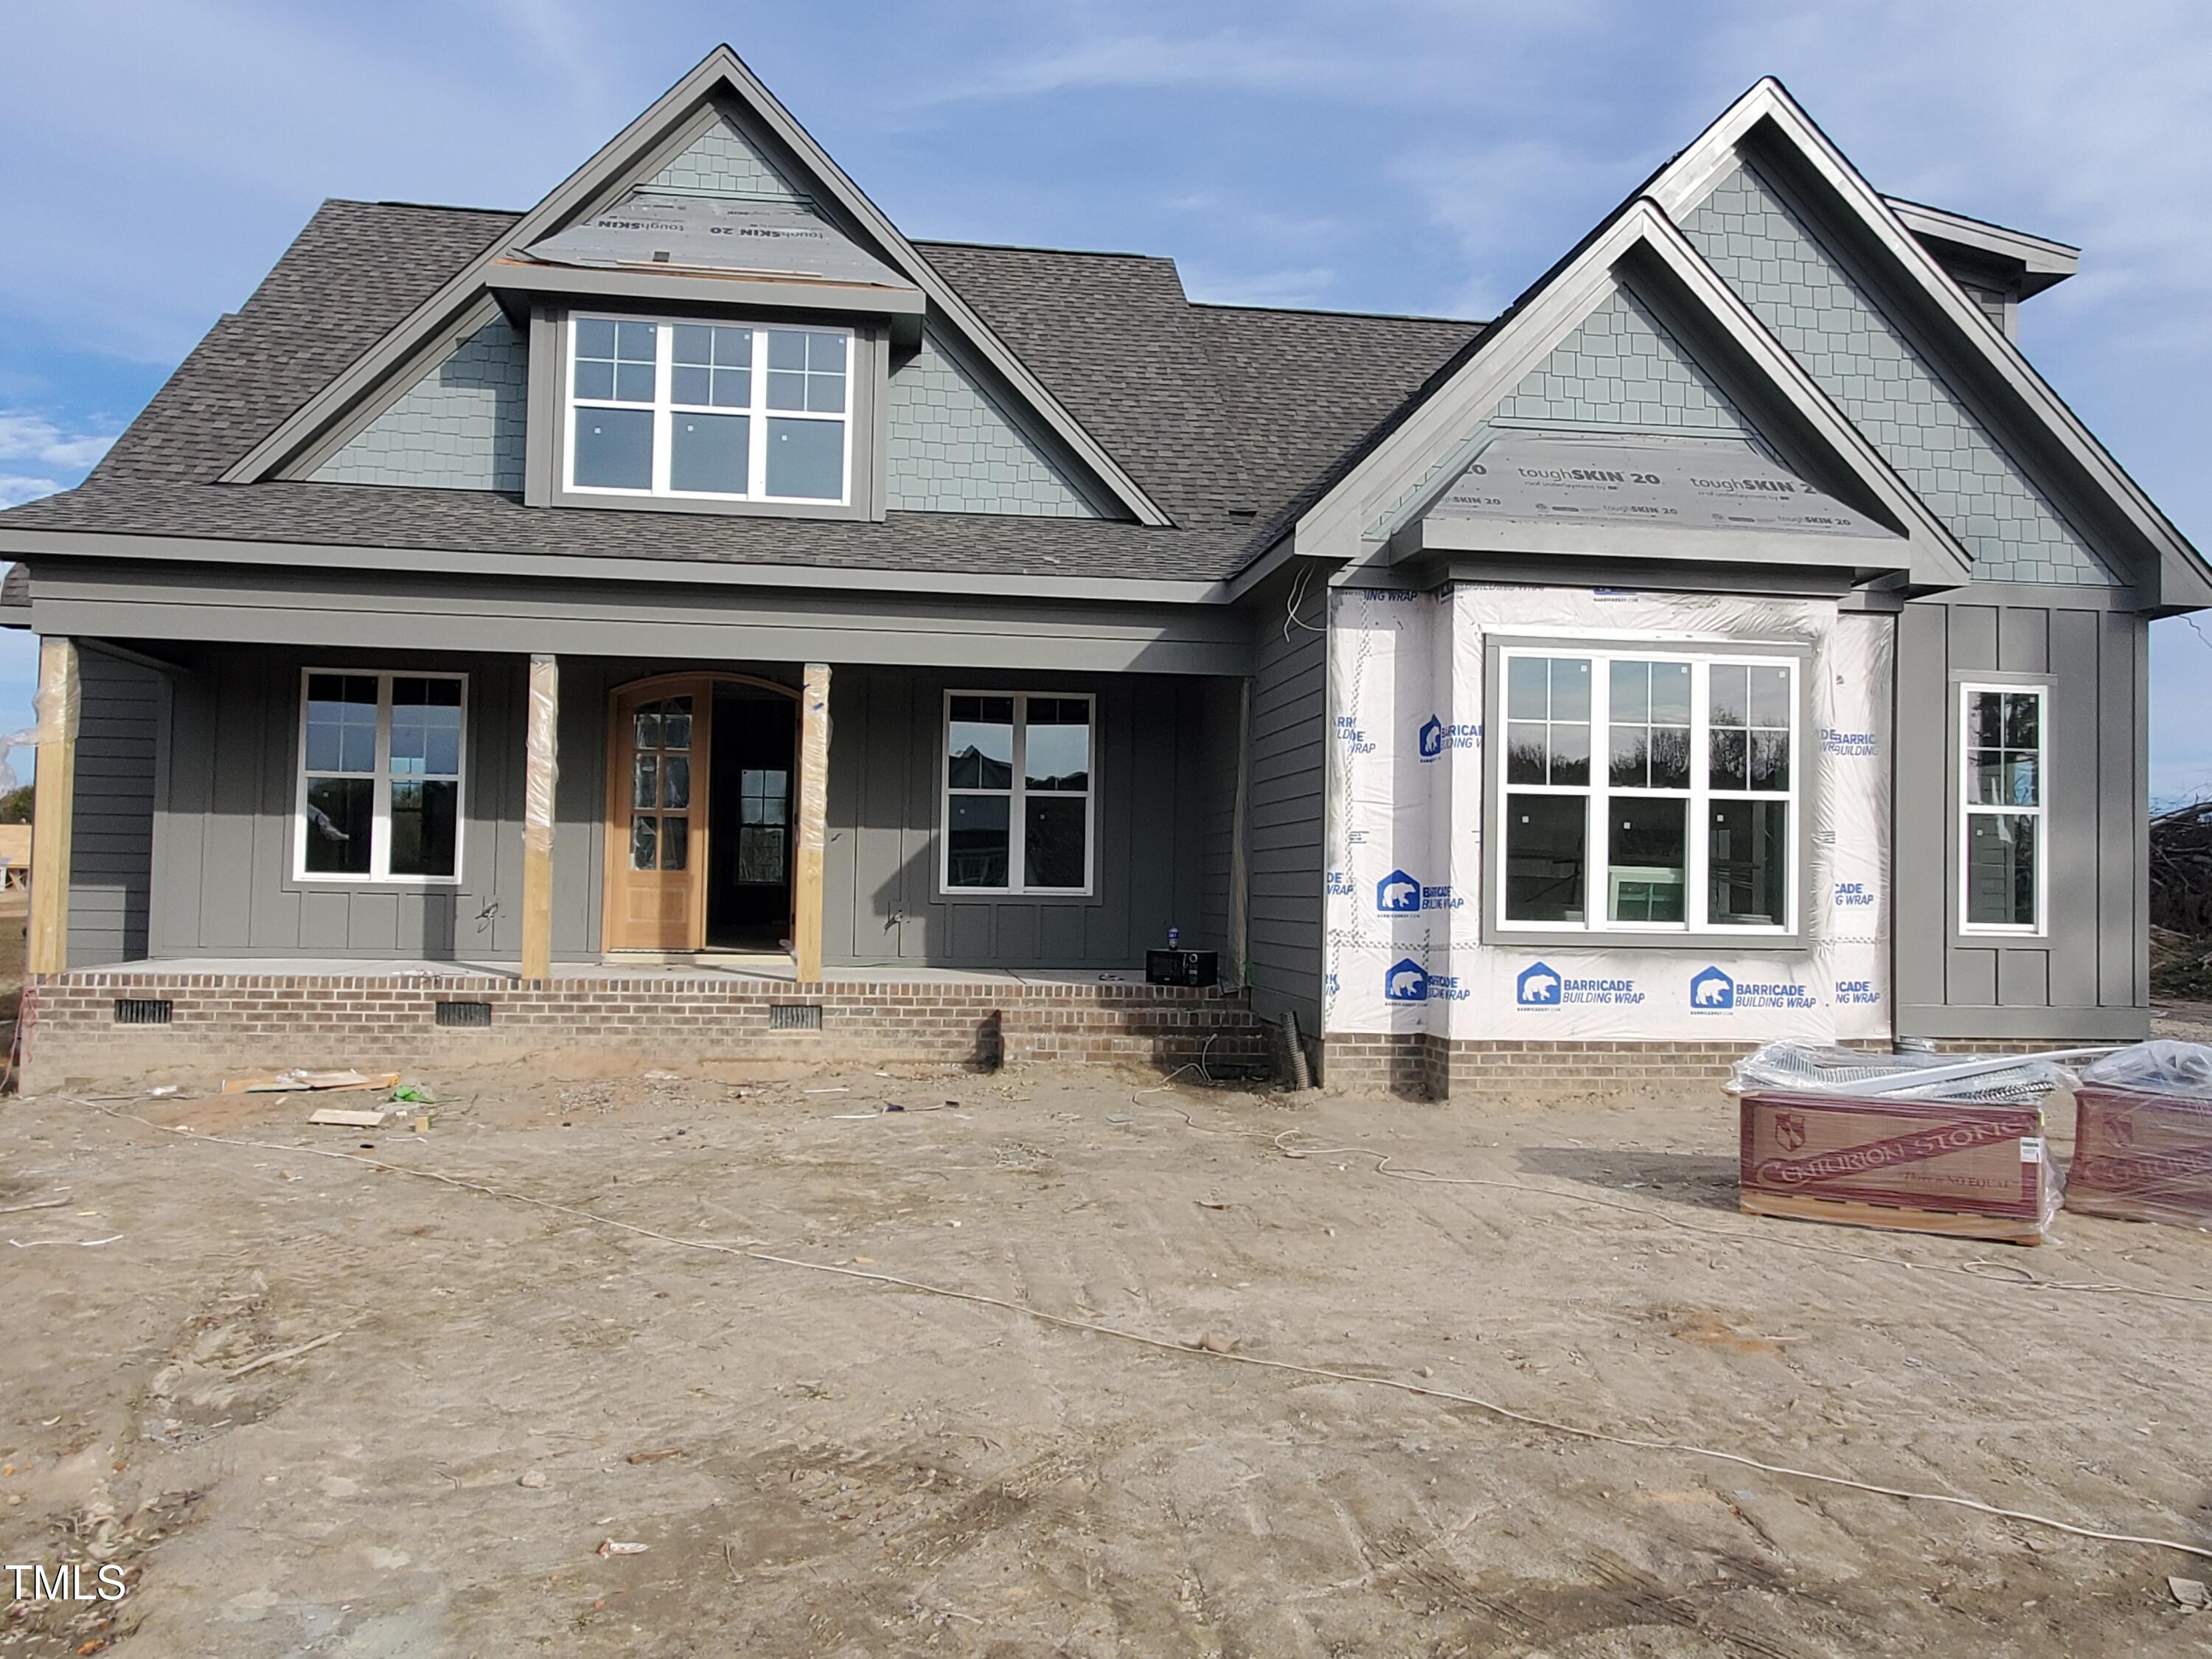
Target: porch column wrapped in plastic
<point>1950,1144</point>
<point>2143,1136</point>
<point>541,776</point>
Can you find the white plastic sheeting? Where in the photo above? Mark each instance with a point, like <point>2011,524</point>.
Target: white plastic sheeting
<point>1405,882</point>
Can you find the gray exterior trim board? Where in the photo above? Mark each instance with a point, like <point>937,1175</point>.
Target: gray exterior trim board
<point>45,546</point>
<point>328,608</point>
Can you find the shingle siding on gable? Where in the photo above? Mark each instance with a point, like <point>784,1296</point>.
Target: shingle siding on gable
<point>461,427</point>
<point>953,450</point>
<point>1621,367</point>
<point>722,162</point>
<point>1795,286</point>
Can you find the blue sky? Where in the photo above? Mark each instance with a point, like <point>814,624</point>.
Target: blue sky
<point>1410,156</point>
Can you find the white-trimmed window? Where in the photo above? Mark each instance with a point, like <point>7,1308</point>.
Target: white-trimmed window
<point>380,770</point>
<point>1646,790</point>
<point>719,411</point>
<point>1018,792</point>
<point>2003,885</point>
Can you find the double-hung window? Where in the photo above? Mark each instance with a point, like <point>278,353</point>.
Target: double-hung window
<point>380,759</point>
<point>1646,791</point>
<point>718,411</point>
<point>2001,739</point>
<point>1018,792</point>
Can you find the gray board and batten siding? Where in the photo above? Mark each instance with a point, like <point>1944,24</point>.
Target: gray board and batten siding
<point>2087,977</point>
<point>1163,792</point>
<point>216,796</point>
<point>1284,814</point>
<point>122,710</point>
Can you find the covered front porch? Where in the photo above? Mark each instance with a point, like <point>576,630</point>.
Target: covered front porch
<point>287,805</point>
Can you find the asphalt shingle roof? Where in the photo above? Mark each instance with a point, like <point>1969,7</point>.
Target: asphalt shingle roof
<point>1226,416</point>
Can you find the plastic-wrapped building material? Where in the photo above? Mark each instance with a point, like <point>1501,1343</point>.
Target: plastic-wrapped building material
<point>1918,1143</point>
<point>2143,1136</point>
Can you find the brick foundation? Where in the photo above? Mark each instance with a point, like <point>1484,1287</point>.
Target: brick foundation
<point>256,1022</point>
<point>1415,1066</point>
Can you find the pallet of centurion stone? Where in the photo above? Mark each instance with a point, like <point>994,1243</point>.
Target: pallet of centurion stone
<point>2141,1158</point>
<point>1965,1168</point>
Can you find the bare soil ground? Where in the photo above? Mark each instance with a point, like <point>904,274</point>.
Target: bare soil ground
<point>818,1464</point>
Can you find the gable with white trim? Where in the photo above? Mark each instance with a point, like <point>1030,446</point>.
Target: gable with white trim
<point>1803,294</point>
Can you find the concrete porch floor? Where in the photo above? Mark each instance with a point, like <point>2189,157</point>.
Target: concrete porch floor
<point>777,969</point>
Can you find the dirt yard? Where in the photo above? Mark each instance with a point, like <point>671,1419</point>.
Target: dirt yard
<point>817,1463</point>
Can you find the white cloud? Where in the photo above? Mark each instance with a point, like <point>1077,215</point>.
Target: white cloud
<point>25,436</point>
<point>15,490</point>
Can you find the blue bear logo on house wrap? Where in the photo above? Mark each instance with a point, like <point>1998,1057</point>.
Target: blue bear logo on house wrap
<point>1711,992</point>
<point>1432,739</point>
<point>1397,893</point>
<point>1406,982</point>
<point>1536,987</point>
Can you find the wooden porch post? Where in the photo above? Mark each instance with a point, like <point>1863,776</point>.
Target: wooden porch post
<point>541,761</point>
<point>813,811</point>
<point>52,802</point>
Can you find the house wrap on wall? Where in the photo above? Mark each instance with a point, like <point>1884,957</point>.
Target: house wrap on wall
<point>692,615</point>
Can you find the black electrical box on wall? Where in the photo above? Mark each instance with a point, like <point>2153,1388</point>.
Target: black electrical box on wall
<point>1182,967</point>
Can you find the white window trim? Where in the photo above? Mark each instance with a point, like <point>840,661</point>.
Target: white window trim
<point>380,845</point>
<point>1969,809</point>
<point>1017,797</point>
<point>665,408</point>
<point>1600,792</point>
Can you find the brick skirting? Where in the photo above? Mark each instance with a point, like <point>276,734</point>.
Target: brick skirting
<point>1415,1066</point>
<point>254,1022</point>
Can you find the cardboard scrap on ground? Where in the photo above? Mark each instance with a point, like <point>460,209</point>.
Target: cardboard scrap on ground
<point>343,1118</point>
<point>304,1082</point>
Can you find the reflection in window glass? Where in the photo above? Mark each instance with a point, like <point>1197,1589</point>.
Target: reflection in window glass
<point>1675,749</point>
<point>2001,869</point>
<point>2002,789</point>
<point>380,783</point>
<point>976,840</point>
<point>1545,839</point>
<point>1018,773</point>
<point>764,824</point>
<point>1748,863</point>
<point>1647,857</point>
<point>340,822</point>
<point>981,742</point>
<point>724,410</point>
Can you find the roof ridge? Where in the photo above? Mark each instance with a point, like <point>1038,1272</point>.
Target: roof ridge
<point>1335,310</point>
<point>1038,247</point>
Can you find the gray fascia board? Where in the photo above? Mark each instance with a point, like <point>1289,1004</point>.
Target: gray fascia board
<point>619,155</point>
<point>332,608</point>
<point>1638,577</point>
<point>2044,262</point>
<point>722,70</point>
<point>1865,555</point>
<point>1332,527</point>
<point>29,545</point>
<point>689,289</point>
<point>908,261</point>
<point>1690,177</point>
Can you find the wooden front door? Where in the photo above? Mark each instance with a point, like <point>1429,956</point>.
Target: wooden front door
<point>657,830</point>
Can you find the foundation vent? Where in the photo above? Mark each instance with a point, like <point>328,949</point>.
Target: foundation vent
<point>794,1016</point>
<point>472,1015</point>
<point>143,1011</point>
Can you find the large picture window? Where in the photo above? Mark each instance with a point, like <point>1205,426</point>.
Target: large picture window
<point>1018,792</point>
<point>2002,746</point>
<point>715,410</point>
<point>381,770</point>
<point>1646,791</point>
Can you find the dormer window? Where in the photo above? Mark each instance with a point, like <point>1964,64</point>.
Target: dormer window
<point>710,412</point>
